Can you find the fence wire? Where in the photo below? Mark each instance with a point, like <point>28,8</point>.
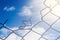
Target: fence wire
<point>48,34</point>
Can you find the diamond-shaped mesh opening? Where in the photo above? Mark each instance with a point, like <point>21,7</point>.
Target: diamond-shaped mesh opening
<point>41,20</point>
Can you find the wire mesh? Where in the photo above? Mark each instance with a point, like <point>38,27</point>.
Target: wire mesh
<point>51,33</point>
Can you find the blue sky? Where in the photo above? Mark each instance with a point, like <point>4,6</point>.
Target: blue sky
<point>18,10</point>
<point>12,16</point>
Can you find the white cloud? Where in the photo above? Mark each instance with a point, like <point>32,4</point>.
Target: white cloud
<point>13,37</point>
<point>42,39</point>
<point>35,9</point>
<point>15,28</point>
<point>32,36</point>
<point>32,9</point>
<point>39,30</point>
<point>5,31</point>
<point>9,8</point>
<point>35,3</point>
<point>0,39</point>
<point>25,11</point>
<point>58,1</point>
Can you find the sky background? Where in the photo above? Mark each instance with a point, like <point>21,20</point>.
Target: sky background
<point>17,11</point>
<point>9,10</point>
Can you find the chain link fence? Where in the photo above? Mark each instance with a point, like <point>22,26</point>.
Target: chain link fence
<point>46,29</point>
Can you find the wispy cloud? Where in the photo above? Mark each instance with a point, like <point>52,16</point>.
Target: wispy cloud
<point>32,9</point>
<point>9,8</point>
<point>26,11</point>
